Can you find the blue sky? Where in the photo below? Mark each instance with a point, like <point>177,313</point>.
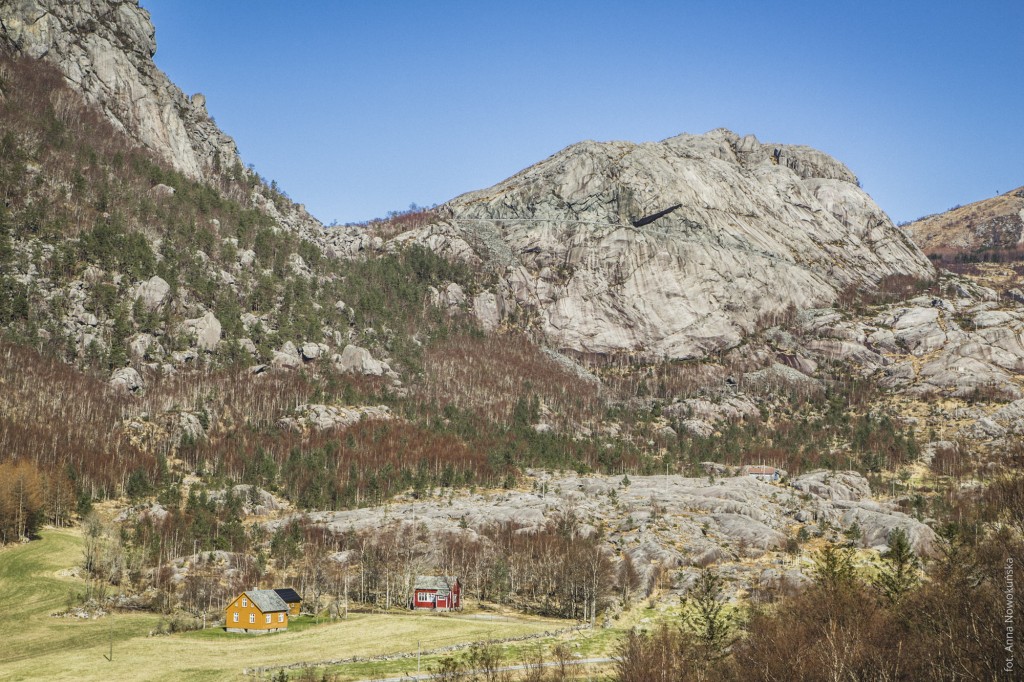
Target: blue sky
<point>358,108</point>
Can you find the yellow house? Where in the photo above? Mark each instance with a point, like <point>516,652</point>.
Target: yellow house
<point>257,612</point>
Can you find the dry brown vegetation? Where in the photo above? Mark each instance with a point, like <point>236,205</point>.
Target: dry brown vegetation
<point>984,224</point>
<point>64,422</point>
<point>486,375</point>
<point>398,222</point>
<point>949,627</point>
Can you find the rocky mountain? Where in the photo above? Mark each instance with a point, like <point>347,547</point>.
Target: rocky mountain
<point>104,48</point>
<point>264,399</point>
<point>671,249</point>
<point>990,224</point>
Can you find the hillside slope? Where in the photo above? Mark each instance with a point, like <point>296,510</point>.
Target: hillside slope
<point>990,224</point>
<point>673,249</point>
<point>105,49</point>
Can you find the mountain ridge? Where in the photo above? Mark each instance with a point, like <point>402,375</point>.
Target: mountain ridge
<point>995,223</point>
<point>751,218</point>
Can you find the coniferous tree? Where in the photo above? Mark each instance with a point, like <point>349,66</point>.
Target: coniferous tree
<point>899,571</point>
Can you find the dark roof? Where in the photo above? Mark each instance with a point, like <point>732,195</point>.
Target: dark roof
<point>289,595</point>
<point>266,601</point>
<point>442,583</point>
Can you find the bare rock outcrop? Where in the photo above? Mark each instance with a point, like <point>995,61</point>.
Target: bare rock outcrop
<point>206,331</point>
<point>671,249</point>
<point>321,417</point>
<point>153,292</point>
<point>127,379</point>
<point>664,521</point>
<point>357,360</point>
<point>104,49</point>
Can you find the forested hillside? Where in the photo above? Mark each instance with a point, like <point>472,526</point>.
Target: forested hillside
<point>219,393</point>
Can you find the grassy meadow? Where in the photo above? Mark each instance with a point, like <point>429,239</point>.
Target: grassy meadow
<point>34,645</point>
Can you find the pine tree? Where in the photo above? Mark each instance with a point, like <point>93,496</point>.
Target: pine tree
<point>707,617</point>
<point>899,571</point>
<point>834,569</point>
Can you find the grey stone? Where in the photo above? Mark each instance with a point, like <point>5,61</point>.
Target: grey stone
<point>127,379</point>
<point>310,351</point>
<point>206,331</point>
<point>161,191</point>
<point>153,292</point>
<point>105,49</point>
<point>320,417</point>
<point>760,227</point>
<point>488,309</point>
<point>287,357</point>
<point>358,360</point>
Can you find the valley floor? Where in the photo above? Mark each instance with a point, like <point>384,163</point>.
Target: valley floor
<point>34,583</point>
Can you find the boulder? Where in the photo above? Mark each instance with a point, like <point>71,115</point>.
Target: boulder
<point>161,191</point>
<point>358,360</point>
<point>310,351</point>
<point>126,379</point>
<point>153,292</point>
<point>287,357</point>
<point>191,426</point>
<point>206,331</point>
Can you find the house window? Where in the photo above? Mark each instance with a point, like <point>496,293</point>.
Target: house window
<point>252,617</point>
<point>244,602</point>
<point>280,618</point>
<point>268,618</point>
<point>234,617</point>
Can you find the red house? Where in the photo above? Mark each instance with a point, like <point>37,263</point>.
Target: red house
<point>437,592</point>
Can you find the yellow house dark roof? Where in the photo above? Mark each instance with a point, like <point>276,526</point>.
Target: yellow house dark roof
<point>267,601</point>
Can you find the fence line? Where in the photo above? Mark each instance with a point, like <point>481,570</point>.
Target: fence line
<point>260,670</point>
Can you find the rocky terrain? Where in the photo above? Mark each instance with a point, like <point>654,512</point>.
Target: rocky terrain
<point>105,50</point>
<point>618,306</point>
<point>554,387</point>
<point>990,224</point>
<point>672,249</point>
<point>661,521</point>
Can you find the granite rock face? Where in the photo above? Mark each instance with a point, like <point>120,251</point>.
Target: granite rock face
<point>671,249</point>
<point>671,521</point>
<point>104,48</point>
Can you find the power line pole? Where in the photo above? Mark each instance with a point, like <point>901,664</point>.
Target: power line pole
<point>110,658</point>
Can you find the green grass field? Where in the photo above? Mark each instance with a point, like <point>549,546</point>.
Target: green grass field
<point>33,645</point>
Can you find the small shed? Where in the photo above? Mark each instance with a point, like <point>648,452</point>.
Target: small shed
<point>763,473</point>
<point>291,598</point>
<point>436,592</point>
<point>256,612</point>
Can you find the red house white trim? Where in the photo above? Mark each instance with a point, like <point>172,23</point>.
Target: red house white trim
<point>437,592</point>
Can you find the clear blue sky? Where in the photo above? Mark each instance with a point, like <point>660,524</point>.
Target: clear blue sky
<point>358,108</point>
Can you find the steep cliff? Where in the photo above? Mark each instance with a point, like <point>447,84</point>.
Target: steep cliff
<point>672,249</point>
<point>104,48</point>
